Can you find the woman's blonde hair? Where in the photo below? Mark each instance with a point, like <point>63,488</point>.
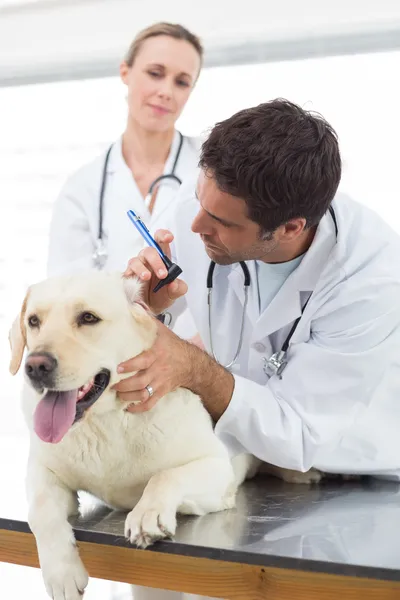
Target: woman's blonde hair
<point>178,32</point>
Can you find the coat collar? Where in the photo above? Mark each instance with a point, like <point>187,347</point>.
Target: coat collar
<point>117,166</point>
<point>286,306</point>
<point>117,162</point>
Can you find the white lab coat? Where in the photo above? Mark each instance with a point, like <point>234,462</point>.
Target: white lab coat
<point>75,220</point>
<point>337,405</point>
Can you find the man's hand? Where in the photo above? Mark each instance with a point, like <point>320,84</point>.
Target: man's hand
<point>149,268</point>
<point>172,363</point>
<point>164,368</point>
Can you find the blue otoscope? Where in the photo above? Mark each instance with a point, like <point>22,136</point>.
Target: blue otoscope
<point>173,270</point>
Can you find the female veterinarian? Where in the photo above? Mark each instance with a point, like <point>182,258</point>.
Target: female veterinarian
<point>143,169</point>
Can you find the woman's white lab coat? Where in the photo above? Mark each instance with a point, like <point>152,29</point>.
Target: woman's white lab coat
<point>337,406</point>
<point>75,220</point>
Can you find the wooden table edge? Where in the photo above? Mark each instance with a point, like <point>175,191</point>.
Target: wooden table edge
<point>204,576</point>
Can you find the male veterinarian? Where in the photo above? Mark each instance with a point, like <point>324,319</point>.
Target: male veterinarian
<point>298,310</point>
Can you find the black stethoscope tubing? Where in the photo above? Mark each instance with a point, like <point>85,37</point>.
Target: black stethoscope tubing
<point>172,175</point>
<point>246,283</point>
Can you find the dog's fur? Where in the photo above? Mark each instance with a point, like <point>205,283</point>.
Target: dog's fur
<point>154,464</point>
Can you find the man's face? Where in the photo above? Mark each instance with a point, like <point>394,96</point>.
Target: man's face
<point>228,234</point>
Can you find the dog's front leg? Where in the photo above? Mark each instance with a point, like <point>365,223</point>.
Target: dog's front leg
<point>50,506</point>
<point>202,486</point>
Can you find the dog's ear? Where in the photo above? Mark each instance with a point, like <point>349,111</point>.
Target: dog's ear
<point>133,292</point>
<point>141,314</point>
<point>17,338</point>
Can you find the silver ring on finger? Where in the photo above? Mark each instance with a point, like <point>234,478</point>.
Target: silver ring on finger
<point>150,390</point>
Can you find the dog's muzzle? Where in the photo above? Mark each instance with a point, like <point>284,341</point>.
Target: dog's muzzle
<point>41,369</point>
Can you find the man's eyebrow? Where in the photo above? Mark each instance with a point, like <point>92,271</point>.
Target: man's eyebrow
<point>222,221</point>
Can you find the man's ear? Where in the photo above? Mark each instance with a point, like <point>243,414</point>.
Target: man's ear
<point>17,338</point>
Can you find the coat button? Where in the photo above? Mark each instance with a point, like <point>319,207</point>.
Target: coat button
<point>259,347</point>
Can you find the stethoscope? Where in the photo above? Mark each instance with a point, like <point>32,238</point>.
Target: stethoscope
<point>276,364</point>
<point>100,254</point>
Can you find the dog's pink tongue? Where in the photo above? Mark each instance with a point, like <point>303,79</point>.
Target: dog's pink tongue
<point>54,415</point>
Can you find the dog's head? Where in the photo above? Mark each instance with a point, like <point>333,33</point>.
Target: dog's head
<point>77,330</point>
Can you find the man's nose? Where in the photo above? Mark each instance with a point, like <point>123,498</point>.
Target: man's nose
<point>200,224</point>
<point>41,368</point>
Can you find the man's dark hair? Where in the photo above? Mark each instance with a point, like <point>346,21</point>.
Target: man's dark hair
<point>283,161</point>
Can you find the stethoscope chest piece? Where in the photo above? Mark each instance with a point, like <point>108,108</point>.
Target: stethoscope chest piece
<point>100,254</point>
<point>276,364</point>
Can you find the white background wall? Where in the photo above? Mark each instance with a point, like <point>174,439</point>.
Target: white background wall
<point>67,36</point>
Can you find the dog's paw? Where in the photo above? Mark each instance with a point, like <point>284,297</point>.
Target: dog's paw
<point>148,523</point>
<point>65,577</point>
<point>311,476</point>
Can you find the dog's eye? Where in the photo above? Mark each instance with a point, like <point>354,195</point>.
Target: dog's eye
<point>33,321</point>
<point>87,318</point>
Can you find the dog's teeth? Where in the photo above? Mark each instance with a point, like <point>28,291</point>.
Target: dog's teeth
<point>84,390</point>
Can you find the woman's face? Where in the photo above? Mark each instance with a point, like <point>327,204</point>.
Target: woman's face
<point>160,81</point>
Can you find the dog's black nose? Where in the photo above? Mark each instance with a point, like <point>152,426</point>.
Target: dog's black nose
<point>41,367</point>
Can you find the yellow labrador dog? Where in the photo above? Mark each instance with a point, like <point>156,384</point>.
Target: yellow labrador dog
<point>156,464</point>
